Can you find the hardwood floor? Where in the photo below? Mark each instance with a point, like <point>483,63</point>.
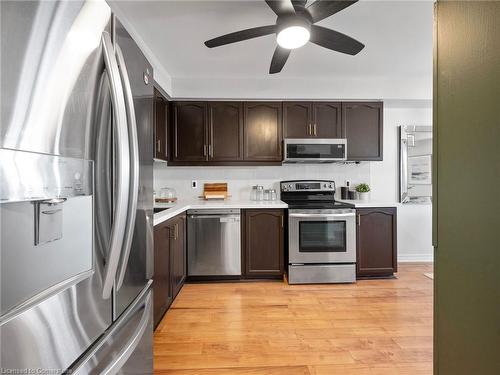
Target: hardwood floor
<point>373,327</point>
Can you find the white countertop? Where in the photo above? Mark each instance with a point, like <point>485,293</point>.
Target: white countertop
<point>183,205</point>
<point>369,203</point>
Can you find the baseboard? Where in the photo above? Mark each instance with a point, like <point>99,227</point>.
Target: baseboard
<point>402,258</point>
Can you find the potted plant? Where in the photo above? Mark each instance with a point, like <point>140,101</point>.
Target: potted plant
<point>363,191</point>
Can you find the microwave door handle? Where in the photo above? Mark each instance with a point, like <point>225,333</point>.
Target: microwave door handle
<point>123,166</point>
<point>134,166</point>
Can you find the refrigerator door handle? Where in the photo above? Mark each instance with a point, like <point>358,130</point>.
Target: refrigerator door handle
<point>129,348</point>
<point>123,166</point>
<point>134,166</point>
<point>149,248</point>
<point>403,178</point>
<point>110,353</point>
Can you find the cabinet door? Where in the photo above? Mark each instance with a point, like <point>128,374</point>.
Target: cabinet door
<point>297,120</point>
<point>376,241</point>
<point>225,121</point>
<point>178,260</point>
<point>190,131</point>
<point>327,120</point>
<point>263,243</point>
<point>263,131</point>
<point>162,289</point>
<point>161,113</point>
<point>363,126</point>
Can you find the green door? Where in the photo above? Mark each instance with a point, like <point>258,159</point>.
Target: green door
<point>467,188</point>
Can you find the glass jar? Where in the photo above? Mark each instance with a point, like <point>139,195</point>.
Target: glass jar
<point>260,193</point>
<point>167,195</point>
<point>272,195</point>
<point>253,193</point>
<point>267,195</point>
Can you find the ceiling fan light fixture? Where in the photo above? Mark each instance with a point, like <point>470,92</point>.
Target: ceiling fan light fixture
<point>293,37</point>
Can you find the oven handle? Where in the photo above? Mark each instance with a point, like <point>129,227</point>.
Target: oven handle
<point>351,214</point>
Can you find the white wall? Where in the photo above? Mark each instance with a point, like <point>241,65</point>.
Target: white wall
<point>241,179</point>
<point>296,88</point>
<point>414,221</point>
<point>161,76</point>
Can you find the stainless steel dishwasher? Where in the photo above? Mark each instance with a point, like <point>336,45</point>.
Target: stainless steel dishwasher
<point>214,242</point>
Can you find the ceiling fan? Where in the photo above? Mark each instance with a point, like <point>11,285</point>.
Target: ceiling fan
<point>294,27</point>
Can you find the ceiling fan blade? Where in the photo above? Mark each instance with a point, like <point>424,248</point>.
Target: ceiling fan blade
<point>334,40</point>
<point>238,36</point>
<point>281,7</point>
<point>279,59</point>
<point>322,9</point>
<point>299,4</point>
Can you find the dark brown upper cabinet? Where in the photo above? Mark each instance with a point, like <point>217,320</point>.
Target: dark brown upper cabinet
<point>312,119</point>
<point>376,242</point>
<point>190,131</point>
<point>262,250</point>
<point>225,121</point>
<point>161,122</point>
<point>362,123</point>
<point>297,119</point>
<point>251,133</point>
<point>327,120</point>
<point>263,135</point>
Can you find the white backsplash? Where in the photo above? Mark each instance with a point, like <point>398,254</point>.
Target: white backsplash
<point>241,179</point>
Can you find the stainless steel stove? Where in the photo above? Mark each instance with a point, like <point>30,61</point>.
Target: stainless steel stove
<point>321,233</point>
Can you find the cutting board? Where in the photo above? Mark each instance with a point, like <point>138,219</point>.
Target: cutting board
<point>215,191</point>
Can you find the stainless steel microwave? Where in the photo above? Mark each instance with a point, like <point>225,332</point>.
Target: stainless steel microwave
<point>315,150</point>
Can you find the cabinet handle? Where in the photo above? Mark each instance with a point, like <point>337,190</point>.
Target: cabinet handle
<point>282,222</point>
<point>176,231</point>
<point>314,127</point>
<point>309,129</point>
<point>204,150</point>
<point>211,151</point>
<point>359,220</point>
<point>158,145</point>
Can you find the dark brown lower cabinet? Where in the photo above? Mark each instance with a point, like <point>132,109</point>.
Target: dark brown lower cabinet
<point>169,264</point>
<point>262,245</point>
<point>162,288</point>
<point>178,253</point>
<point>376,242</point>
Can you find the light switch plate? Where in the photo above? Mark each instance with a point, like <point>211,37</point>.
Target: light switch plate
<point>194,184</point>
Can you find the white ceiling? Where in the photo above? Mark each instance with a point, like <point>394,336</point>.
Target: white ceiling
<point>397,36</point>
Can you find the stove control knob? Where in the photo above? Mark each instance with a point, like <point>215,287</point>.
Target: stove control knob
<point>330,186</point>
<point>290,186</point>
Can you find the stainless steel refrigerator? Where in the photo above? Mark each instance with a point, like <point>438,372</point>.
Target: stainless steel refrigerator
<point>76,191</point>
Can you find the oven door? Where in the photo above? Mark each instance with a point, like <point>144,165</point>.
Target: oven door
<point>322,236</point>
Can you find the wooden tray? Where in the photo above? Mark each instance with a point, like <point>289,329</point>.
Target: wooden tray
<point>215,191</point>
<point>165,200</point>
